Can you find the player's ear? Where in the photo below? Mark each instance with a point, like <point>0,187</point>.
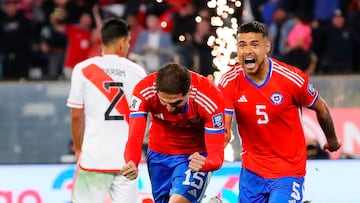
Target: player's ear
<point>268,46</point>
<point>123,44</point>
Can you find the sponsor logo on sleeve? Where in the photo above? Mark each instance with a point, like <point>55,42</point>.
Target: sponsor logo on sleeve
<point>218,120</point>
<point>135,103</point>
<point>311,89</point>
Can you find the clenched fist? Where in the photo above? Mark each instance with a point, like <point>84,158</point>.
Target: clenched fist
<point>197,161</point>
<point>130,170</point>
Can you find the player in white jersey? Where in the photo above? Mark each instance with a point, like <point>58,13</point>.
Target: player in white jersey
<point>98,98</point>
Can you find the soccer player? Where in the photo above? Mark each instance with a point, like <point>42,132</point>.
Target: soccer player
<point>266,96</point>
<point>186,136</point>
<point>98,98</point>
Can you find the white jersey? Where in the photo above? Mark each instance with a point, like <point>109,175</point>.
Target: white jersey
<point>102,85</point>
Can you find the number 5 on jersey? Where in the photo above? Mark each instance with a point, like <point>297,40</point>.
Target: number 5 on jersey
<point>262,114</point>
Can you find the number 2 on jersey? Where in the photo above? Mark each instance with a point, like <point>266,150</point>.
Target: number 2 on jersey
<point>115,100</point>
<point>262,114</point>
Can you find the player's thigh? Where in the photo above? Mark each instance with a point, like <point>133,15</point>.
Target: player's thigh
<point>160,173</point>
<point>252,188</point>
<point>189,184</point>
<point>91,186</point>
<point>176,198</point>
<point>287,190</point>
<point>124,190</point>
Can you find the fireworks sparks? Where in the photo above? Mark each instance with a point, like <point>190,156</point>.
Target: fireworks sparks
<point>224,42</point>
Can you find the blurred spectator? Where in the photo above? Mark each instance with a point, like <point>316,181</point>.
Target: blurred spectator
<point>194,51</point>
<point>184,20</point>
<point>134,7</point>
<point>324,10</point>
<point>314,150</point>
<point>340,42</point>
<point>73,9</point>
<point>45,44</point>
<point>95,41</point>
<point>354,23</point>
<point>136,29</point>
<point>186,54</point>
<point>299,42</point>
<point>279,30</point>
<point>318,45</point>
<point>203,30</point>
<point>293,6</point>
<point>35,11</point>
<point>268,9</point>
<point>300,35</point>
<point>113,8</point>
<point>154,45</point>
<point>17,35</point>
<point>53,45</point>
<point>78,37</point>
<point>53,41</point>
<point>155,7</point>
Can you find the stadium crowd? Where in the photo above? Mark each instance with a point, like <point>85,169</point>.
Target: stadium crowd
<point>44,39</point>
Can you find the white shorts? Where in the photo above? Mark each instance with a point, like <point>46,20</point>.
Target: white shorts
<point>94,187</point>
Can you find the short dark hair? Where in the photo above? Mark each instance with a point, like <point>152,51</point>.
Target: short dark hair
<point>113,29</point>
<point>254,26</point>
<point>173,78</point>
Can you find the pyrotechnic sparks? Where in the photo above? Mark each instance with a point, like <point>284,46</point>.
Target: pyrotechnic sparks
<point>224,42</point>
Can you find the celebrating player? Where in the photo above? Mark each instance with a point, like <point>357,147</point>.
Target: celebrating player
<point>186,136</point>
<point>100,88</point>
<point>266,96</point>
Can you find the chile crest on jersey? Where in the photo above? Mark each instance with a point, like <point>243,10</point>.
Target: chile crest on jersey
<point>277,98</point>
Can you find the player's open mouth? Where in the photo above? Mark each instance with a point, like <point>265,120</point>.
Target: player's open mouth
<point>249,62</point>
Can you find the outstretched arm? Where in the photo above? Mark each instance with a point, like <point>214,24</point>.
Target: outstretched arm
<point>97,17</point>
<point>326,124</point>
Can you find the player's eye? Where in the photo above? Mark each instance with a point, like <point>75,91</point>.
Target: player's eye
<point>241,45</point>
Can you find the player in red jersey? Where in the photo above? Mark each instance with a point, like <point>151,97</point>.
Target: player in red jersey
<point>266,96</point>
<point>186,136</point>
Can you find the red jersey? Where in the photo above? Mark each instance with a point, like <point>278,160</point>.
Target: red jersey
<point>199,129</point>
<point>269,118</point>
<point>79,45</point>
